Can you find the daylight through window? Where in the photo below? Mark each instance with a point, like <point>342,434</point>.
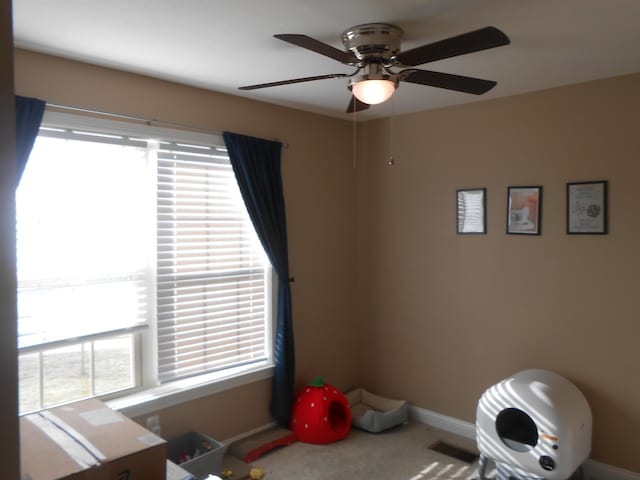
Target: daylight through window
<point>137,262</point>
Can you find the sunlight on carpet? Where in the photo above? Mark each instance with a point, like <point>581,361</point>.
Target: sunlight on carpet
<point>401,453</point>
<point>449,471</point>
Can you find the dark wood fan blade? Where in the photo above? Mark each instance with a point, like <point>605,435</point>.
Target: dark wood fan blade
<point>356,105</point>
<point>295,80</point>
<point>476,86</point>
<point>318,47</point>
<point>482,39</point>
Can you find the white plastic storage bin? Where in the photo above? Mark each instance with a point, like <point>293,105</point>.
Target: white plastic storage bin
<point>196,453</point>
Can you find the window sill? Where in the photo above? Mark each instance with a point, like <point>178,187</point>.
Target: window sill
<point>171,394</point>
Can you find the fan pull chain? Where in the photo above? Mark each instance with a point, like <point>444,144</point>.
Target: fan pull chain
<point>391,160</point>
<point>355,139</point>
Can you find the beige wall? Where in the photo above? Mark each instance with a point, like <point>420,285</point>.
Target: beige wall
<point>439,317</point>
<point>319,183</point>
<point>445,316</point>
<point>8,364</point>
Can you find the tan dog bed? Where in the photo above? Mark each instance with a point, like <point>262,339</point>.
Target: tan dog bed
<point>374,413</point>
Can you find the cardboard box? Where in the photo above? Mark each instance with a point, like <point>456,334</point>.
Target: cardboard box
<point>87,440</point>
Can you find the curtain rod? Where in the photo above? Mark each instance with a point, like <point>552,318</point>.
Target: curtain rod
<point>147,121</point>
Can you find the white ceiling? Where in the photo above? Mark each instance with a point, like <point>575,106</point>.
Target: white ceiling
<point>221,45</point>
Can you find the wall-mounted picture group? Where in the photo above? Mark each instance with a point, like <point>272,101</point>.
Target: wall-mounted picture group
<point>586,204</point>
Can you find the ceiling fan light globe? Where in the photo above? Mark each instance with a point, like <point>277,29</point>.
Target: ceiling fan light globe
<point>373,92</point>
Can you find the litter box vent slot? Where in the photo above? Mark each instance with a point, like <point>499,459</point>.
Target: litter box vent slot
<point>455,452</point>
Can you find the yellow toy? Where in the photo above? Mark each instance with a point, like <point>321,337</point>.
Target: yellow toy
<point>256,474</point>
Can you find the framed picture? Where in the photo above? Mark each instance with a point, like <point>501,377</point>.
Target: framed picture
<point>472,211</point>
<point>587,208</point>
<point>523,210</point>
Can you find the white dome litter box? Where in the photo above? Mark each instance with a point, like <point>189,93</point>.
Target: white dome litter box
<point>533,425</point>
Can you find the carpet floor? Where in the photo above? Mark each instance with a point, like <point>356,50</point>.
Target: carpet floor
<point>402,453</point>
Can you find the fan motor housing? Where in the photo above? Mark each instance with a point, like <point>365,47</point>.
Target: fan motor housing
<point>373,41</point>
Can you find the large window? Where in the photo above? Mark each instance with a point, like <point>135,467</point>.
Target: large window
<point>137,263</point>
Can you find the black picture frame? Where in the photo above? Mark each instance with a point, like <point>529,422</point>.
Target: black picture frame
<point>524,210</point>
<point>587,208</point>
<point>471,211</point>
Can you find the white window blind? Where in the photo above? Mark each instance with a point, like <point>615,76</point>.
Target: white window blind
<point>81,238</point>
<point>143,229</point>
<point>211,271</point>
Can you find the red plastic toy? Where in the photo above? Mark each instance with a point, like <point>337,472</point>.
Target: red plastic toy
<point>321,414</point>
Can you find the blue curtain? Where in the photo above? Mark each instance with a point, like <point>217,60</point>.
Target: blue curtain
<point>256,164</point>
<point>29,113</point>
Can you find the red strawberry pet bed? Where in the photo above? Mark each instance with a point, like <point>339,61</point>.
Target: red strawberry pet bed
<point>321,414</point>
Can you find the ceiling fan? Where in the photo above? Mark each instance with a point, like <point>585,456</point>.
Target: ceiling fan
<point>374,49</point>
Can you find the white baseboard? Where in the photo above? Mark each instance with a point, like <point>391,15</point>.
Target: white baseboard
<point>592,469</point>
<point>244,435</point>
<point>601,471</point>
<point>442,422</point>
